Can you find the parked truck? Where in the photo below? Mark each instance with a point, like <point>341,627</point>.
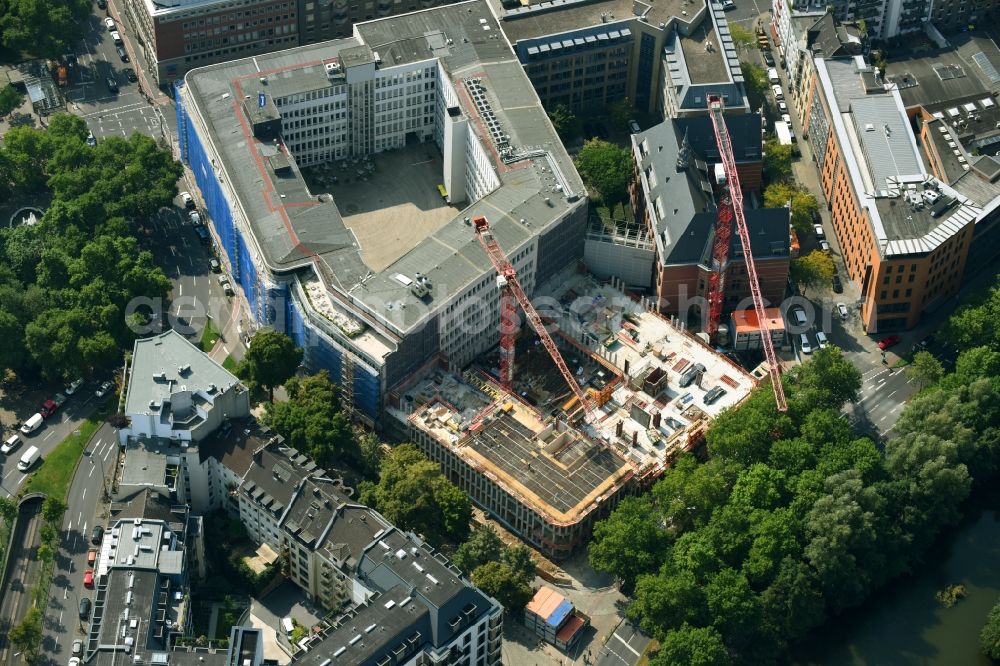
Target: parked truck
<point>51,406</point>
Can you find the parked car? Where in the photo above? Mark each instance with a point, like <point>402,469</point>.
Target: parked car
<point>223,279</point>
<point>187,199</point>
<point>116,37</point>
<point>88,578</point>
<point>842,309</point>
<point>821,339</point>
<point>202,234</point>
<point>102,4</point>
<point>104,389</point>
<point>818,228</point>
<point>73,386</point>
<point>122,53</point>
<point>10,444</point>
<point>889,341</point>
<point>194,218</point>
<point>214,265</point>
<point>109,23</point>
<point>768,58</point>
<point>130,75</point>
<point>84,608</point>
<point>52,405</point>
<point>838,288</point>
<point>728,5</point>
<point>777,92</point>
<point>634,127</point>
<point>228,289</point>
<point>112,85</point>
<point>77,647</point>
<point>714,394</point>
<point>782,107</point>
<point>73,661</point>
<point>91,557</point>
<point>97,535</point>
<point>824,246</point>
<point>805,344</point>
<point>91,139</point>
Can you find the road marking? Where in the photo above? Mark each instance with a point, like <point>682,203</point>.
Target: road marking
<point>84,530</point>
<point>625,643</point>
<point>45,439</point>
<point>883,418</point>
<point>91,472</point>
<point>84,495</point>
<point>180,289</point>
<point>892,394</point>
<point>79,518</point>
<point>60,617</point>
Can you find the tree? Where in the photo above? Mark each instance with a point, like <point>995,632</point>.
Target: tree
<point>925,369</point>
<point>989,637</point>
<point>271,360</point>
<point>482,546</point>
<point>565,122</point>
<point>503,584</point>
<point>607,168</point>
<point>413,493</point>
<point>802,203</point>
<point>371,454</point>
<point>629,542</point>
<point>10,99</point>
<point>520,561</point>
<point>27,634</point>
<point>619,113</point>
<point>45,28</point>
<point>692,646</point>
<point>312,422</point>
<point>777,162</point>
<point>755,78</point>
<point>812,270</point>
<point>53,510</point>
<point>742,37</point>
<point>8,510</point>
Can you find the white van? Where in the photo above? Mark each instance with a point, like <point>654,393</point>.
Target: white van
<point>28,459</point>
<point>32,424</point>
<point>772,75</point>
<point>287,625</point>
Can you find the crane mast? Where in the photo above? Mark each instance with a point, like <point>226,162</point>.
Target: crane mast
<point>511,292</point>
<point>732,208</point>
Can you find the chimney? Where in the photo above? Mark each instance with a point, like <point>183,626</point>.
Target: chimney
<point>626,366</point>
<point>618,429</point>
<point>656,419</point>
<point>635,437</point>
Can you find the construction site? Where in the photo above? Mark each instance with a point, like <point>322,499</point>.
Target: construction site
<point>537,460</point>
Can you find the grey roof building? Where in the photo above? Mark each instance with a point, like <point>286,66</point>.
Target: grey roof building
<point>373,308</point>
<point>177,392</point>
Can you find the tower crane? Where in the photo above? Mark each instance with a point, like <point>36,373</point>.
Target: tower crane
<point>512,294</point>
<point>730,208</point>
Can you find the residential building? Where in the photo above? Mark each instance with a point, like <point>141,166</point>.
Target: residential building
<point>675,196</point>
<point>904,234</point>
<point>176,392</point>
<point>442,83</point>
<point>659,55</point>
<point>885,19</point>
<point>518,456</point>
<point>553,618</point>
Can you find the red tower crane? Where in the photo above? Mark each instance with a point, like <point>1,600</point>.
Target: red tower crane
<point>731,207</point>
<point>511,293</point>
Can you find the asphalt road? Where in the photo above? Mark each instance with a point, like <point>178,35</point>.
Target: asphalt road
<point>78,407</point>
<point>86,509</point>
<point>106,112</point>
<point>24,571</point>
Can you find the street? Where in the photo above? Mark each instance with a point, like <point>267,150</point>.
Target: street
<point>24,567</point>
<point>62,623</point>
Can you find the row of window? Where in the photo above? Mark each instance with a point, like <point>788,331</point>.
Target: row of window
<point>192,47</point>
<point>208,55</point>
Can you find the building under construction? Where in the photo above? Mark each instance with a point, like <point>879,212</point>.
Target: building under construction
<point>527,457</point>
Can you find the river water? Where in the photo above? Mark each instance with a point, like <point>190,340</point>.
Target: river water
<point>904,625</point>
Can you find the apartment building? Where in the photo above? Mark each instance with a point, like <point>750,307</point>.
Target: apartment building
<point>658,55</point>
<point>675,194</point>
<point>885,19</point>
<point>904,234</point>
<point>372,309</point>
<point>175,392</point>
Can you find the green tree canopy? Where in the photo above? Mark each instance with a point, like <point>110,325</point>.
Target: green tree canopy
<point>815,269</point>
<point>10,99</point>
<point>312,422</point>
<point>565,122</point>
<point>989,637</point>
<point>692,646</point>
<point>925,369</point>
<point>45,28</point>
<point>502,583</point>
<point>27,634</point>
<point>629,543</point>
<point>743,37</point>
<point>606,168</point>
<point>802,203</point>
<point>757,85</point>
<point>777,162</point>
<point>413,493</point>
<point>482,546</point>
<point>271,360</point>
